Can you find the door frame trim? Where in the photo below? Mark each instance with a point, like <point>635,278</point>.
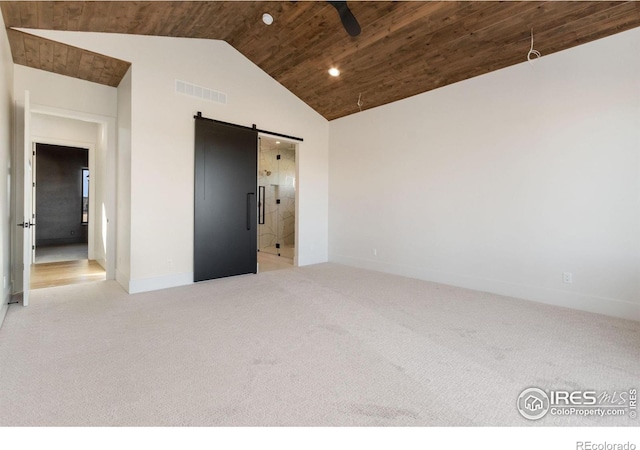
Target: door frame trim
<point>90,147</point>
<point>106,137</point>
<point>297,201</point>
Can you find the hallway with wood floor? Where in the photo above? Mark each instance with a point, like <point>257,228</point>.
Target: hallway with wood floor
<point>66,272</point>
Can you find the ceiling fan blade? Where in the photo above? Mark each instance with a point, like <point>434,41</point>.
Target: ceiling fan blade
<point>348,19</point>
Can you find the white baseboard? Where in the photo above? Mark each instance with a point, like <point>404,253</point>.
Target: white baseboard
<point>575,300</point>
<point>156,283</point>
<point>123,280</point>
<point>308,260</point>
<point>102,262</point>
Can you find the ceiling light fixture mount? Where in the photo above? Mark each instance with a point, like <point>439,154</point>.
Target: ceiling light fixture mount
<point>267,18</point>
<point>533,54</point>
<point>334,72</point>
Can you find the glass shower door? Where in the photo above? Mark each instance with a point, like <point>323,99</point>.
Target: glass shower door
<point>287,202</point>
<point>267,211</point>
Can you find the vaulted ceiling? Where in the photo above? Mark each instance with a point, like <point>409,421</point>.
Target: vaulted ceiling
<point>405,48</point>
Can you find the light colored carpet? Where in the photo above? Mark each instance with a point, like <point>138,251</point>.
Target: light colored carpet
<point>59,253</point>
<point>321,345</point>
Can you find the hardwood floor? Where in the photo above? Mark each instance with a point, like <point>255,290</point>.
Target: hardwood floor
<point>66,272</point>
<point>268,262</point>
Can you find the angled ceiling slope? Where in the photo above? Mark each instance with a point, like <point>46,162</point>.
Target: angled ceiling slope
<point>40,53</point>
<point>405,48</point>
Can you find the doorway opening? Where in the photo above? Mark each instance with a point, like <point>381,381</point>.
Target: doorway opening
<point>61,199</point>
<point>276,203</point>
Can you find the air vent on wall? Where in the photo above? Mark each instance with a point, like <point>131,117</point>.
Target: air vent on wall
<point>192,90</point>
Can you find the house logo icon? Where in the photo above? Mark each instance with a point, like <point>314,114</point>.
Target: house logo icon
<point>533,403</point>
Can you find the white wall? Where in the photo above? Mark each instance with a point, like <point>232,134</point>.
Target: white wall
<point>63,129</point>
<point>6,109</point>
<point>503,182</point>
<point>123,272</point>
<point>162,142</point>
<point>64,92</point>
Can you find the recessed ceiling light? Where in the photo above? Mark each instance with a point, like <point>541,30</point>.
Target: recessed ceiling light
<point>267,18</point>
<point>334,72</point>
<point>277,142</point>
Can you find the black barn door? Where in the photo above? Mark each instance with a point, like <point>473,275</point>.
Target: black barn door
<point>225,200</point>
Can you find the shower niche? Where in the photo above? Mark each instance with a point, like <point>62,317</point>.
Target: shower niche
<point>276,197</point>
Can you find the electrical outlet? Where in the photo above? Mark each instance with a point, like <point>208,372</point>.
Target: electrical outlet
<point>170,262</point>
<point>4,282</point>
<point>567,277</point>
<point>375,252</point>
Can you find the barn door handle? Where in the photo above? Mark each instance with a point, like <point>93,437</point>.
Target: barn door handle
<point>261,208</point>
<point>249,210</point>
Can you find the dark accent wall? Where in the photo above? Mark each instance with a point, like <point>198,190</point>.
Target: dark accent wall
<point>59,195</point>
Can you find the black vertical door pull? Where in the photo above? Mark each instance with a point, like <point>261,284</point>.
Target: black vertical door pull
<point>226,164</point>
<point>249,209</point>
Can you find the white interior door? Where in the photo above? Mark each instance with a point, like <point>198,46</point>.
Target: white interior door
<point>28,196</point>
<point>34,168</point>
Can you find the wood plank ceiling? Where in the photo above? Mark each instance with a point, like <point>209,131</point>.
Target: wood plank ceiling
<point>405,48</point>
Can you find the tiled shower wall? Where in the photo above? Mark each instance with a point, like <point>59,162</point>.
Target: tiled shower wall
<point>278,179</point>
